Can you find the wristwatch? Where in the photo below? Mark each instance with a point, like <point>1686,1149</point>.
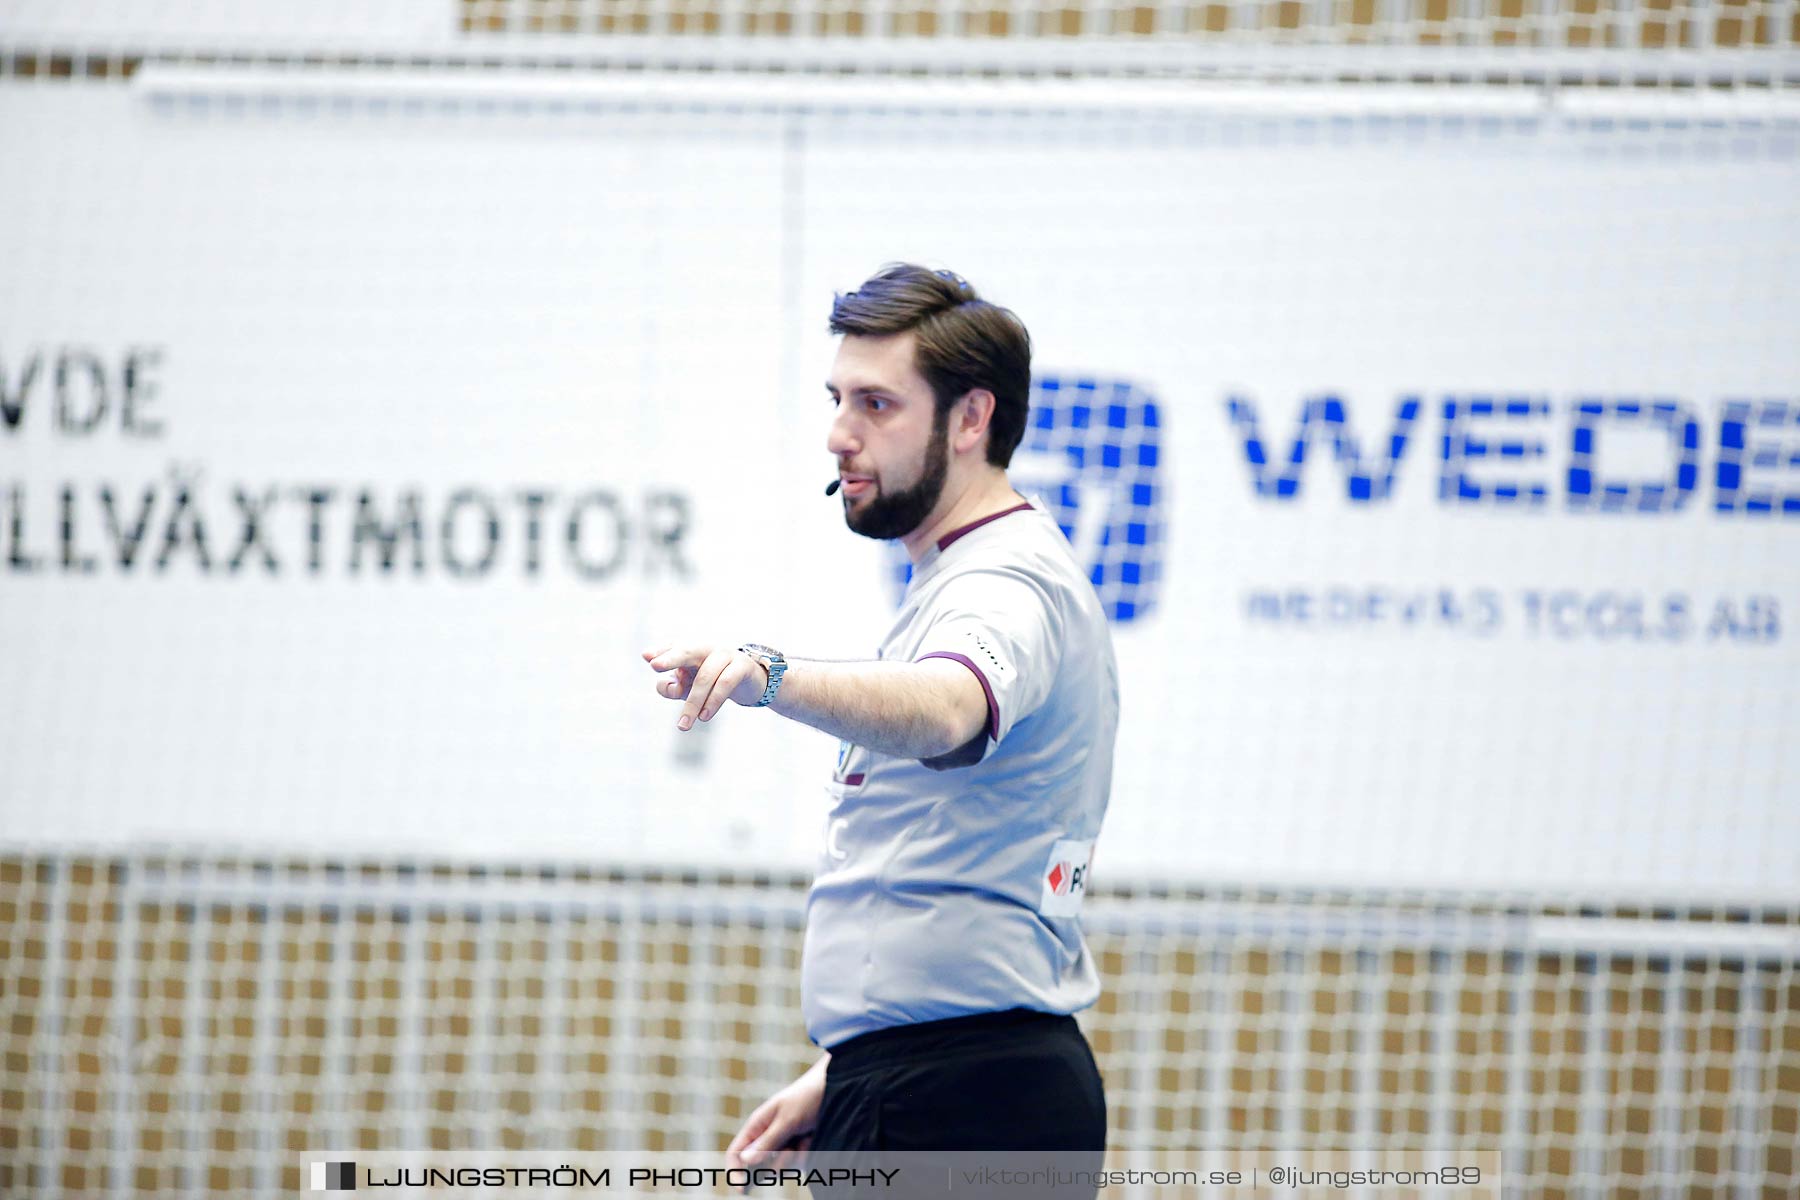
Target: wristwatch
<point>773,663</point>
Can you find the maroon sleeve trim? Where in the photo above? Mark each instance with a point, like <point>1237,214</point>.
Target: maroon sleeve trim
<point>993,728</point>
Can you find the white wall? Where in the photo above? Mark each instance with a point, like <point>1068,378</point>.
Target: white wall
<point>585,293</point>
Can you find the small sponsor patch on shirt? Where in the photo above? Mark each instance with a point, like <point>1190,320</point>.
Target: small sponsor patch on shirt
<point>1065,878</point>
<point>842,772</point>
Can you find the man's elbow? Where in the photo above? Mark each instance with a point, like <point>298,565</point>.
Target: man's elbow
<point>958,732</point>
<point>960,711</point>
<point>965,753</point>
<point>962,735</point>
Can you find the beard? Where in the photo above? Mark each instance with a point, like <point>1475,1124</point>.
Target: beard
<point>890,515</point>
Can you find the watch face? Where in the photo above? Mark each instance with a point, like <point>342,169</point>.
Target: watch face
<point>761,651</point>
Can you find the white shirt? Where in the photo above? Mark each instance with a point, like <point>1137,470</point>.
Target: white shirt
<point>954,886</point>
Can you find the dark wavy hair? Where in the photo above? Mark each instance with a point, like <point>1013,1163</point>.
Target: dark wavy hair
<point>962,342</point>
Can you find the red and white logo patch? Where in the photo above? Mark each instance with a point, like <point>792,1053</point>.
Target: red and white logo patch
<point>1065,878</point>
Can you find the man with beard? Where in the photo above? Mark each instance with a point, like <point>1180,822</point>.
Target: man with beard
<point>943,952</point>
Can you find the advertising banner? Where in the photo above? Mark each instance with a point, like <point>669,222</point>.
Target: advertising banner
<point>1440,471</point>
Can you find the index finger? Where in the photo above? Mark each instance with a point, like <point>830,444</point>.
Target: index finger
<point>753,1129</point>
<point>670,657</point>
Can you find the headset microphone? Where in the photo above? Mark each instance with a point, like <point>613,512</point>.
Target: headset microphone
<point>832,487</point>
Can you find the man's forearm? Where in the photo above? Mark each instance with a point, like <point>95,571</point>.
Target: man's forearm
<point>910,710</point>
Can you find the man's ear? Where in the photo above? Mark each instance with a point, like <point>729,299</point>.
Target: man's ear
<point>974,412</point>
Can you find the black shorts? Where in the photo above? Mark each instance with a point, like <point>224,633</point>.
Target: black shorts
<point>1004,1081</point>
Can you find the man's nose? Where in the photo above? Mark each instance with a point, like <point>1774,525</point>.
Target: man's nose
<point>841,438</point>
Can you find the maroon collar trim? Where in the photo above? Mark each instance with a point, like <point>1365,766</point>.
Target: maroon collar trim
<point>944,542</point>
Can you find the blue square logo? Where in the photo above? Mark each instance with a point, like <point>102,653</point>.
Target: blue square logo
<point>1093,452</point>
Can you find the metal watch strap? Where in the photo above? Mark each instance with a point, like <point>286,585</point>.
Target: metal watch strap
<point>773,663</point>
